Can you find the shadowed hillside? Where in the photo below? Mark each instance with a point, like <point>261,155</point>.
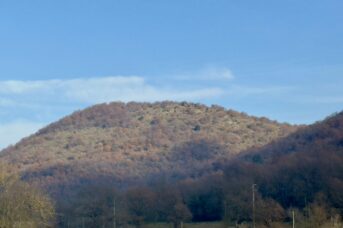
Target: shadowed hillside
<point>306,166</point>
<point>323,137</point>
<point>122,143</point>
<point>300,173</point>
<point>173,162</point>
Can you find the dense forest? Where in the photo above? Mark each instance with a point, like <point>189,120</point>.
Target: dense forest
<point>129,165</point>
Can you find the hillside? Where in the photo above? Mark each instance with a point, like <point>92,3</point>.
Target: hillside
<point>301,169</point>
<point>301,172</point>
<point>322,137</point>
<point>122,143</point>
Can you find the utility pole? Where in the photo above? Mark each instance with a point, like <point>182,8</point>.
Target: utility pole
<point>293,218</point>
<point>2,174</point>
<point>114,213</point>
<point>225,210</point>
<point>253,204</point>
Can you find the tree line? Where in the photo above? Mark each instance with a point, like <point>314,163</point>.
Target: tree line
<point>22,205</point>
<point>309,185</point>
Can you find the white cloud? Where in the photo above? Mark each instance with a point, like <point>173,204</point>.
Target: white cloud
<point>216,73</point>
<point>12,132</point>
<point>207,74</point>
<point>103,89</point>
<point>22,87</point>
<point>137,90</point>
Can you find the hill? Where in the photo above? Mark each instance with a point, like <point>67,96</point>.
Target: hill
<point>322,137</point>
<point>302,170</point>
<point>126,143</point>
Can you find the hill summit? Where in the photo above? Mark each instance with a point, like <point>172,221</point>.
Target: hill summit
<point>123,143</point>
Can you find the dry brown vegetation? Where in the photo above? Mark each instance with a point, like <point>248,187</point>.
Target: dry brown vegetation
<point>22,205</point>
<point>125,142</point>
<point>169,163</point>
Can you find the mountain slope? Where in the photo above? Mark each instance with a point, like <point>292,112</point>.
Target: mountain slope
<point>123,143</point>
<point>302,168</point>
<point>301,172</point>
<point>323,136</point>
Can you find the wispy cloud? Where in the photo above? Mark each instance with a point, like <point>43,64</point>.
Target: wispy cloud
<point>103,89</point>
<point>210,73</point>
<point>133,89</point>
<point>14,131</point>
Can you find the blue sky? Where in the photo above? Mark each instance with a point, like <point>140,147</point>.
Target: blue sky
<point>279,59</point>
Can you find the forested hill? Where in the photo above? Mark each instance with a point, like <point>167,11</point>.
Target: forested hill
<point>119,143</point>
<point>319,139</point>
<point>302,170</point>
<point>173,162</point>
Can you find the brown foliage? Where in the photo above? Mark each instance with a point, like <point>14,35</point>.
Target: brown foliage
<point>137,140</point>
